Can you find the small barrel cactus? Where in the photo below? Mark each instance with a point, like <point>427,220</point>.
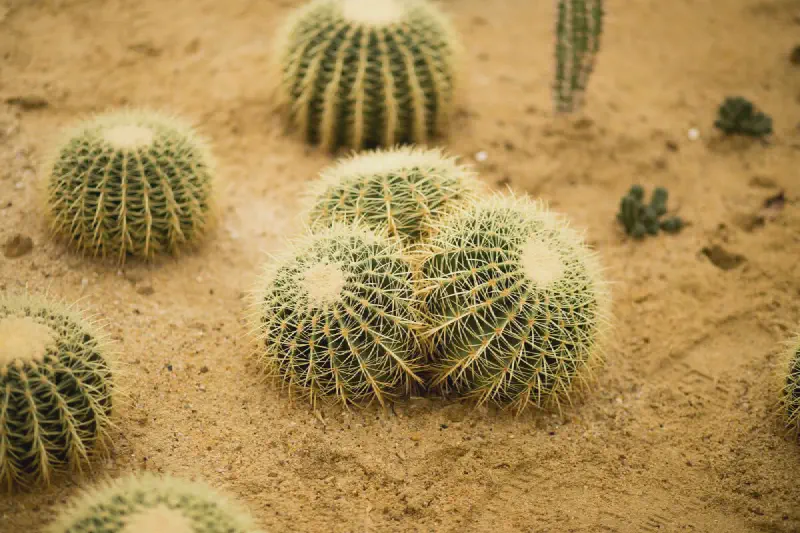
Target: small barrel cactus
<point>579,24</point>
<point>367,73</point>
<point>402,191</point>
<point>146,503</point>
<point>336,317</point>
<point>130,183</point>
<point>790,393</point>
<point>515,303</point>
<point>55,390</point>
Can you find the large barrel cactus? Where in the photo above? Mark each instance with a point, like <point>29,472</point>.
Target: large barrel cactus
<point>402,191</point>
<point>131,183</point>
<point>336,317</point>
<point>515,301</point>
<point>55,390</point>
<point>147,503</point>
<point>367,73</point>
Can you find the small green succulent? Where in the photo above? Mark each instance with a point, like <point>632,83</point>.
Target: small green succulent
<point>738,116</point>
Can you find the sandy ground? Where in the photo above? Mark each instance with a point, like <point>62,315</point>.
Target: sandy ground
<point>679,433</point>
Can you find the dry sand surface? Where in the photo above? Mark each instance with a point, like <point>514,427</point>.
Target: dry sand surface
<point>679,432</point>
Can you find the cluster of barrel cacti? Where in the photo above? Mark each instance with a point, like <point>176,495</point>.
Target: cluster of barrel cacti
<point>411,276</point>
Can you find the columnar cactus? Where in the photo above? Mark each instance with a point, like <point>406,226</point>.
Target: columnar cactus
<point>131,183</point>
<point>790,393</point>
<point>335,317</point>
<point>579,24</point>
<point>402,191</point>
<point>146,503</point>
<point>55,390</point>
<point>367,73</point>
<point>515,301</point>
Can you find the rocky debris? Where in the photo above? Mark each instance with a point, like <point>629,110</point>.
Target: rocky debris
<point>721,258</point>
<point>17,245</point>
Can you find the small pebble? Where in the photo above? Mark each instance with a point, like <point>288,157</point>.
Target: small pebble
<point>694,134</point>
<point>145,290</point>
<point>481,156</point>
<point>17,245</point>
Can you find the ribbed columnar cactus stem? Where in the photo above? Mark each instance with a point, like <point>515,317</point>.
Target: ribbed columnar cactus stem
<point>515,301</point>
<point>335,317</point>
<point>367,73</point>
<point>130,183</point>
<point>790,392</point>
<point>402,191</point>
<point>146,503</point>
<point>579,24</point>
<point>55,390</point>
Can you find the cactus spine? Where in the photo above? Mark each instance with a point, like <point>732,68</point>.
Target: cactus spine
<point>579,24</point>
<point>790,393</point>
<point>402,191</point>
<point>130,183</point>
<point>367,73</point>
<point>145,503</point>
<point>55,390</point>
<point>335,317</point>
<point>515,302</point>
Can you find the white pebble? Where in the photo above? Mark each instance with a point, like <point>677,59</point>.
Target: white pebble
<point>694,134</point>
<point>481,156</point>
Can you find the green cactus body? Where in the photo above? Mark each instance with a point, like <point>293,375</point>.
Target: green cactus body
<point>55,390</point>
<point>515,302</point>
<point>130,183</point>
<point>336,317</point>
<point>403,191</point>
<point>145,503</point>
<point>790,394</point>
<point>367,73</point>
<point>579,24</point>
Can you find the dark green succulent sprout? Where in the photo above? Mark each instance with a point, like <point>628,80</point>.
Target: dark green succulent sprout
<point>641,219</point>
<point>738,116</point>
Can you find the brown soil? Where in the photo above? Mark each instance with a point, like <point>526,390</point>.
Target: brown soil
<point>678,434</point>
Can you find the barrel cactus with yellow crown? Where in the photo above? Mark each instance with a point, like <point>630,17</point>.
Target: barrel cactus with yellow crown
<point>335,317</point>
<point>403,191</point>
<point>132,183</point>
<point>367,73</point>
<point>516,304</point>
<point>148,503</point>
<point>56,390</point>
